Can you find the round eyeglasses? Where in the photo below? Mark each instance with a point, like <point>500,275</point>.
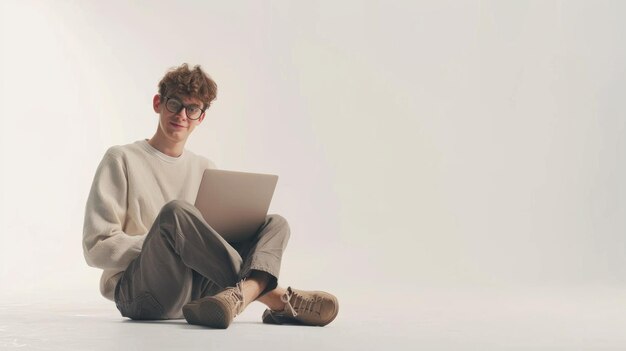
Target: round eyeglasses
<point>191,111</point>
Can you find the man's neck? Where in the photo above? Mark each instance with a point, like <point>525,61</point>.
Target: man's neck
<point>167,146</point>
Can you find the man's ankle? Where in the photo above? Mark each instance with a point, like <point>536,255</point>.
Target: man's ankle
<point>272,299</point>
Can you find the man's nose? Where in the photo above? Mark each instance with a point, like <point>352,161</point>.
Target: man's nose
<point>182,114</point>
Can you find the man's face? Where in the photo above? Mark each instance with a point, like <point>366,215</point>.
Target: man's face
<point>176,126</point>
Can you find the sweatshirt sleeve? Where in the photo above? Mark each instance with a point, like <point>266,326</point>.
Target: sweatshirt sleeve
<point>208,163</point>
<point>105,245</point>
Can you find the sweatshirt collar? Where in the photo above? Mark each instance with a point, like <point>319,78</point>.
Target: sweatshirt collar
<point>151,150</point>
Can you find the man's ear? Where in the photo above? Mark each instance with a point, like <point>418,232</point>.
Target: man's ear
<point>201,117</point>
<point>156,103</point>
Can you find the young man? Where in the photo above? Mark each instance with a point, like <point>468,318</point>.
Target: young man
<point>161,260</point>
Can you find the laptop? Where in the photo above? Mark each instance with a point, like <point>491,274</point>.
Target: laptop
<point>235,204</point>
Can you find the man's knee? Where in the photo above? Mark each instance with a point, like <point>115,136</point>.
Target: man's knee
<point>176,206</point>
<point>175,213</point>
<point>279,221</point>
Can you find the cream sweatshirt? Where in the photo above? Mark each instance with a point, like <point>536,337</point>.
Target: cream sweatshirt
<point>131,185</point>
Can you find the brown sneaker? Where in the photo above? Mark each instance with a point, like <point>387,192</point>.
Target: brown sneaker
<point>215,311</point>
<point>316,308</point>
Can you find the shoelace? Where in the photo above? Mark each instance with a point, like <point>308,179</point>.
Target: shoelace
<point>301,303</point>
<point>235,296</point>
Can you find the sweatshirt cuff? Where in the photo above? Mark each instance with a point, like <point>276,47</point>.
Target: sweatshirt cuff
<point>137,241</point>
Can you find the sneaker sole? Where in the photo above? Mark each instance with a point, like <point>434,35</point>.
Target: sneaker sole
<point>209,312</point>
<point>271,318</point>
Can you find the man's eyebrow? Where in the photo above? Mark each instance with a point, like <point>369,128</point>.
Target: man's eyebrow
<point>188,104</point>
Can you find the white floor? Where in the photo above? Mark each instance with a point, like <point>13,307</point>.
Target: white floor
<point>422,319</point>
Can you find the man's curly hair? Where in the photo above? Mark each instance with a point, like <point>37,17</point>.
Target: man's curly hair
<point>181,81</point>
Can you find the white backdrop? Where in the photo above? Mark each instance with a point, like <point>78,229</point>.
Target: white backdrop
<point>417,142</point>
